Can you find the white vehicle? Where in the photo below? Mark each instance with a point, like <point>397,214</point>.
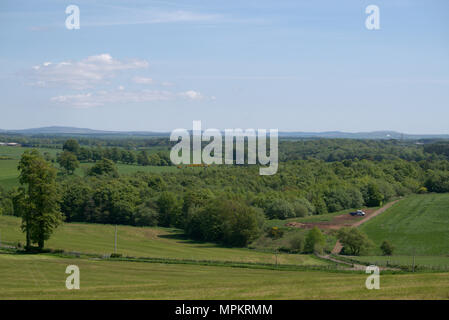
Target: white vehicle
<point>359,213</point>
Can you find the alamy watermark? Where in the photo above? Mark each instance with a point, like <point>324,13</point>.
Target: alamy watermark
<point>73,280</point>
<point>373,280</point>
<point>73,19</point>
<point>256,150</point>
<point>372,22</point>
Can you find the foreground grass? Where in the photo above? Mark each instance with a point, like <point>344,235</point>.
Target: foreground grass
<point>146,242</point>
<point>43,277</point>
<point>416,225</point>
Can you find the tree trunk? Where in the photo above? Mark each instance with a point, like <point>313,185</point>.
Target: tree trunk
<point>28,245</point>
<point>28,235</point>
<point>41,244</point>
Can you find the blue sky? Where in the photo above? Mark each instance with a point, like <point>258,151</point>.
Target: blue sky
<point>291,65</point>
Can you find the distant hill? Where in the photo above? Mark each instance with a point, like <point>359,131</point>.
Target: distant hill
<point>59,130</point>
<point>362,135</point>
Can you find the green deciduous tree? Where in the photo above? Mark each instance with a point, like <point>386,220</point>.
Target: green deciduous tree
<point>72,146</point>
<point>169,209</point>
<point>224,221</point>
<point>354,241</point>
<point>38,199</point>
<point>374,197</point>
<point>104,167</point>
<point>68,161</point>
<point>280,209</point>
<point>315,240</point>
<point>387,248</point>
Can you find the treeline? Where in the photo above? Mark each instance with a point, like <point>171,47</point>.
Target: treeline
<point>439,148</point>
<point>331,150</point>
<point>116,154</point>
<point>88,140</point>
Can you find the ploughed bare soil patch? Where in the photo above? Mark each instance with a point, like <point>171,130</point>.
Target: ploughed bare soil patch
<point>337,222</point>
<point>343,220</point>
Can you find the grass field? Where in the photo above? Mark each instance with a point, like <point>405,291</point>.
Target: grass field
<point>418,224</point>
<point>43,277</point>
<point>16,152</point>
<point>9,175</point>
<point>420,261</point>
<point>146,242</point>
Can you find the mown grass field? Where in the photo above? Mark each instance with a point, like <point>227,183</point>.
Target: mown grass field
<point>43,277</point>
<point>146,242</point>
<point>420,261</point>
<point>416,225</point>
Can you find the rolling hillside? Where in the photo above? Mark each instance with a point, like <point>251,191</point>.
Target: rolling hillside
<point>145,242</point>
<point>418,224</point>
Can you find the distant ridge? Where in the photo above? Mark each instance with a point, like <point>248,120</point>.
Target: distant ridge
<point>61,130</point>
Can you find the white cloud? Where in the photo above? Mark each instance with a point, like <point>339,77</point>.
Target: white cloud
<point>82,74</point>
<point>78,100</point>
<point>96,74</point>
<point>143,80</point>
<point>194,95</point>
<point>101,98</point>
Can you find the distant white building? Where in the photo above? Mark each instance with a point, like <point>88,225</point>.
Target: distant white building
<point>10,144</point>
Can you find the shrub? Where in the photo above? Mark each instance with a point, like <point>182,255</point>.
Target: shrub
<point>354,241</point>
<point>422,190</point>
<point>315,241</point>
<point>297,243</point>
<point>275,233</point>
<point>302,207</point>
<point>387,248</point>
<point>279,209</point>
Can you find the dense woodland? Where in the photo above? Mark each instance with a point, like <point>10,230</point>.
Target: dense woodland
<point>229,204</point>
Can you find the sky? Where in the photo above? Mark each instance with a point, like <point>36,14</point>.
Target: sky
<point>289,65</point>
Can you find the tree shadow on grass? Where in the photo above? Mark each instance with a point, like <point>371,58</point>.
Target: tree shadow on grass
<point>182,237</point>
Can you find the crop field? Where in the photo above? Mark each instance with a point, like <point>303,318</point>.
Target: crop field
<point>146,242</point>
<point>43,277</point>
<point>416,225</point>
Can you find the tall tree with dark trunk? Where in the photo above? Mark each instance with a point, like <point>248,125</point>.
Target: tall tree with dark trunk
<point>38,200</point>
